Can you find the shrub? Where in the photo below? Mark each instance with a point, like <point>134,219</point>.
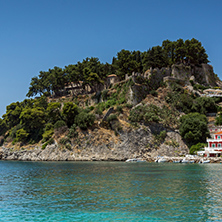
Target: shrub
<point>44,146</point>
<point>59,124</point>
<point>105,94</point>
<point>21,135</point>
<point>84,120</point>
<point>1,140</point>
<point>197,147</point>
<point>64,140</point>
<point>110,103</point>
<point>98,111</point>
<point>47,135</point>
<point>72,132</point>
<point>127,105</point>
<point>153,93</point>
<point>111,117</point>
<point>119,109</point>
<point>160,137</point>
<point>14,130</point>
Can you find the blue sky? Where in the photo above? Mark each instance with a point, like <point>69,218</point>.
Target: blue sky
<point>36,35</point>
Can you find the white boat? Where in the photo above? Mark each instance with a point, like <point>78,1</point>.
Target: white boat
<point>185,161</point>
<point>162,160</point>
<point>134,160</point>
<point>177,161</point>
<point>206,161</point>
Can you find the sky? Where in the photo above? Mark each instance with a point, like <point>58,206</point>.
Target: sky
<point>36,35</point>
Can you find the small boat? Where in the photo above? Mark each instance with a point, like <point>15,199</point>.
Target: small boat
<point>134,160</point>
<point>177,161</point>
<point>185,161</point>
<point>206,161</point>
<point>162,160</point>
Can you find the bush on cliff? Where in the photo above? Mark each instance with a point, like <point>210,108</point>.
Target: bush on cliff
<point>84,120</point>
<point>70,111</point>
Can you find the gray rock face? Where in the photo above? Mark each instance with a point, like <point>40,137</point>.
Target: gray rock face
<point>134,144</point>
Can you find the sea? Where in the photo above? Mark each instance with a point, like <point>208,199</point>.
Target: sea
<point>110,191</point>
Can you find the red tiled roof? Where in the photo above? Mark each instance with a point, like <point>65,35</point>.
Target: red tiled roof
<point>218,133</point>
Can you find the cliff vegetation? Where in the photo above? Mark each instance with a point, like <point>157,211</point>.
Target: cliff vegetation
<point>143,104</point>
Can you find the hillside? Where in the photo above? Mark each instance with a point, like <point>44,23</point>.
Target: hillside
<point>129,120</point>
<point>96,111</point>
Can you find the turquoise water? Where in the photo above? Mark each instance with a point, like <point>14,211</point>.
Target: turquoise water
<point>109,191</point>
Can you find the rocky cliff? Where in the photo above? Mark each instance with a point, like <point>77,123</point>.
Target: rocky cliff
<point>101,144</point>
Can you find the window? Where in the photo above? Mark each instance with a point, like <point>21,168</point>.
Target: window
<point>218,137</point>
<point>213,145</point>
<point>219,144</point>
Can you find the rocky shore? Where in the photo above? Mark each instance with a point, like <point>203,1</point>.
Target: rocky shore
<point>53,153</point>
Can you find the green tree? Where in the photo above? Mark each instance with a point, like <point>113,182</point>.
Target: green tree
<point>70,111</point>
<point>22,135</point>
<point>53,112</point>
<point>3,127</point>
<point>33,119</point>
<point>204,105</point>
<point>169,51</point>
<point>127,62</point>
<point>84,120</point>
<point>193,128</point>
<point>13,111</point>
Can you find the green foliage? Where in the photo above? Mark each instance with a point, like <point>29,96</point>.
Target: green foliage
<point>3,127</point>
<point>111,117</point>
<point>64,140</point>
<point>84,120</point>
<point>197,147</point>
<point>53,112</point>
<point>193,128</point>
<point>13,111</point>
<point>105,94</point>
<point>152,113</point>
<point>47,134</point>
<point>110,103</point>
<point>119,109</point>
<point>186,103</point>
<point>32,118</point>
<point>128,105</point>
<point>204,105</point>
<point>12,132</point>
<point>59,124</point>
<point>159,138</point>
<point>199,87</point>
<point>172,143</point>
<point>218,120</point>
<point>153,93</point>
<point>72,132</point>
<point>70,111</point>
<point>22,135</point>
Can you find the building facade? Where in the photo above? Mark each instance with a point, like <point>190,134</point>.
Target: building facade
<point>214,148</point>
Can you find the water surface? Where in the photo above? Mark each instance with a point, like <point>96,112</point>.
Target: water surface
<point>109,191</point>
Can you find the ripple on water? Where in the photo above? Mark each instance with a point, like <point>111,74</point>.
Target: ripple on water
<point>108,191</point>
